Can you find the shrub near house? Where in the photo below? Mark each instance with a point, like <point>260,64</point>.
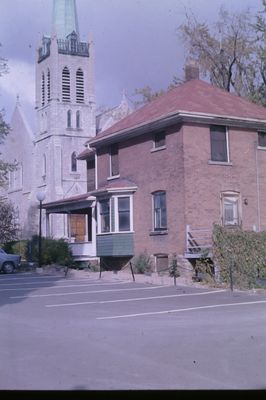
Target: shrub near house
<point>54,251</point>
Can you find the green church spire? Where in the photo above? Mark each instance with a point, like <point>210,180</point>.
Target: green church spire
<point>65,19</point>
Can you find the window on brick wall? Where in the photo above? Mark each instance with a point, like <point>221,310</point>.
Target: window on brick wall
<point>159,211</point>
<point>114,160</point>
<point>219,143</point>
<point>159,140</point>
<point>262,139</point>
<point>231,208</point>
<point>90,175</point>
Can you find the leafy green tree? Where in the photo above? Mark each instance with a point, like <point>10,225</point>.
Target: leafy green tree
<point>8,225</point>
<point>5,167</point>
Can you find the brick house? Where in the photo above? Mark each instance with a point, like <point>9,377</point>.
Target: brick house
<point>160,178</point>
<point>192,157</point>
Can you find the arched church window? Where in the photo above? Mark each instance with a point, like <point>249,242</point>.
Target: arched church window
<point>69,119</point>
<point>43,165</point>
<point>48,85</point>
<point>78,119</point>
<point>79,86</point>
<point>74,162</point>
<point>43,89</point>
<point>66,85</point>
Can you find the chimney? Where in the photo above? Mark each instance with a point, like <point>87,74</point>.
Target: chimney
<point>191,70</point>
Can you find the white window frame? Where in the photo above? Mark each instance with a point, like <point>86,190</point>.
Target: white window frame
<point>227,148</point>
<point>234,199</point>
<point>117,215</point>
<point>99,229</point>
<point>110,165</point>
<point>153,212</point>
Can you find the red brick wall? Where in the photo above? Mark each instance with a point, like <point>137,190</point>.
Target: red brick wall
<point>193,186</point>
<point>204,182</point>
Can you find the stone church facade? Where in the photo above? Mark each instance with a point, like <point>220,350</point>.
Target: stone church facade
<point>66,119</point>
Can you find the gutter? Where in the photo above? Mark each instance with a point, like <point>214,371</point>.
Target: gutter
<point>177,118</point>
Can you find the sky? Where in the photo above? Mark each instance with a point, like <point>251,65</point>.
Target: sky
<point>136,43</point>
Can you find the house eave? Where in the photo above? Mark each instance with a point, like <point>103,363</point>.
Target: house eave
<point>111,191</point>
<point>67,206</point>
<point>177,118</point>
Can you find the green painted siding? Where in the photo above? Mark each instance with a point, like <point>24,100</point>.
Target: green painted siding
<point>119,244</point>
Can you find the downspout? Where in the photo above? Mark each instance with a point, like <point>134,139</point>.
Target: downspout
<point>96,171</point>
<point>257,187</point>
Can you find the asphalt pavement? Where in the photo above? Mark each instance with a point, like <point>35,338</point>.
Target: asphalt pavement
<point>82,333</point>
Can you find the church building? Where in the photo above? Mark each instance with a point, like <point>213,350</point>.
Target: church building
<point>66,119</point>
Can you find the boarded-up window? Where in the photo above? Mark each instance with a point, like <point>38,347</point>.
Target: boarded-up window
<point>162,262</point>
<point>78,227</point>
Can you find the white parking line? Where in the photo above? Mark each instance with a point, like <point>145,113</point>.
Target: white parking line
<point>183,309</point>
<point>87,292</point>
<point>132,299</point>
<point>59,286</point>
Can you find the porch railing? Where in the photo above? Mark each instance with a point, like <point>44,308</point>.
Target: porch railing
<point>198,242</point>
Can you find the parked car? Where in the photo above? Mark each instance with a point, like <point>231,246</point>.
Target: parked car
<point>9,262</point>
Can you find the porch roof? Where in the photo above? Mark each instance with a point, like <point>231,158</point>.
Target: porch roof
<point>76,204</point>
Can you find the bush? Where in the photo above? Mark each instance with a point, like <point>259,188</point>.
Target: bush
<point>240,255</point>
<point>54,251</point>
<point>174,268</point>
<point>17,247</point>
<point>142,263</point>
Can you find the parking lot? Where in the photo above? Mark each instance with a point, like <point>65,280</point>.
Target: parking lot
<point>89,334</point>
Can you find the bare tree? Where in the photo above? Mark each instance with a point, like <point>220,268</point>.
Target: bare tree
<point>225,53</point>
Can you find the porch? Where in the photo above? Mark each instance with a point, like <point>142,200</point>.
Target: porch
<point>79,215</point>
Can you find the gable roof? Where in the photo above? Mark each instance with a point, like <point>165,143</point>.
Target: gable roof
<point>195,97</point>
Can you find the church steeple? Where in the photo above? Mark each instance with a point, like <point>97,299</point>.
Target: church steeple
<point>65,19</point>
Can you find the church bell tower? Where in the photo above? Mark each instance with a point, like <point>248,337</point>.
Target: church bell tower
<point>65,107</point>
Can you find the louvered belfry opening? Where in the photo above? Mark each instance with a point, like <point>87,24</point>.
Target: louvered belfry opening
<point>48,85</point>
<point>43,89</point>
<point>80,86</point>
<point>66,85</point>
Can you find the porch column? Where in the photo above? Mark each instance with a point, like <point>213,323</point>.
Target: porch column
<point>93,227</point>
<point>47,224</point>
